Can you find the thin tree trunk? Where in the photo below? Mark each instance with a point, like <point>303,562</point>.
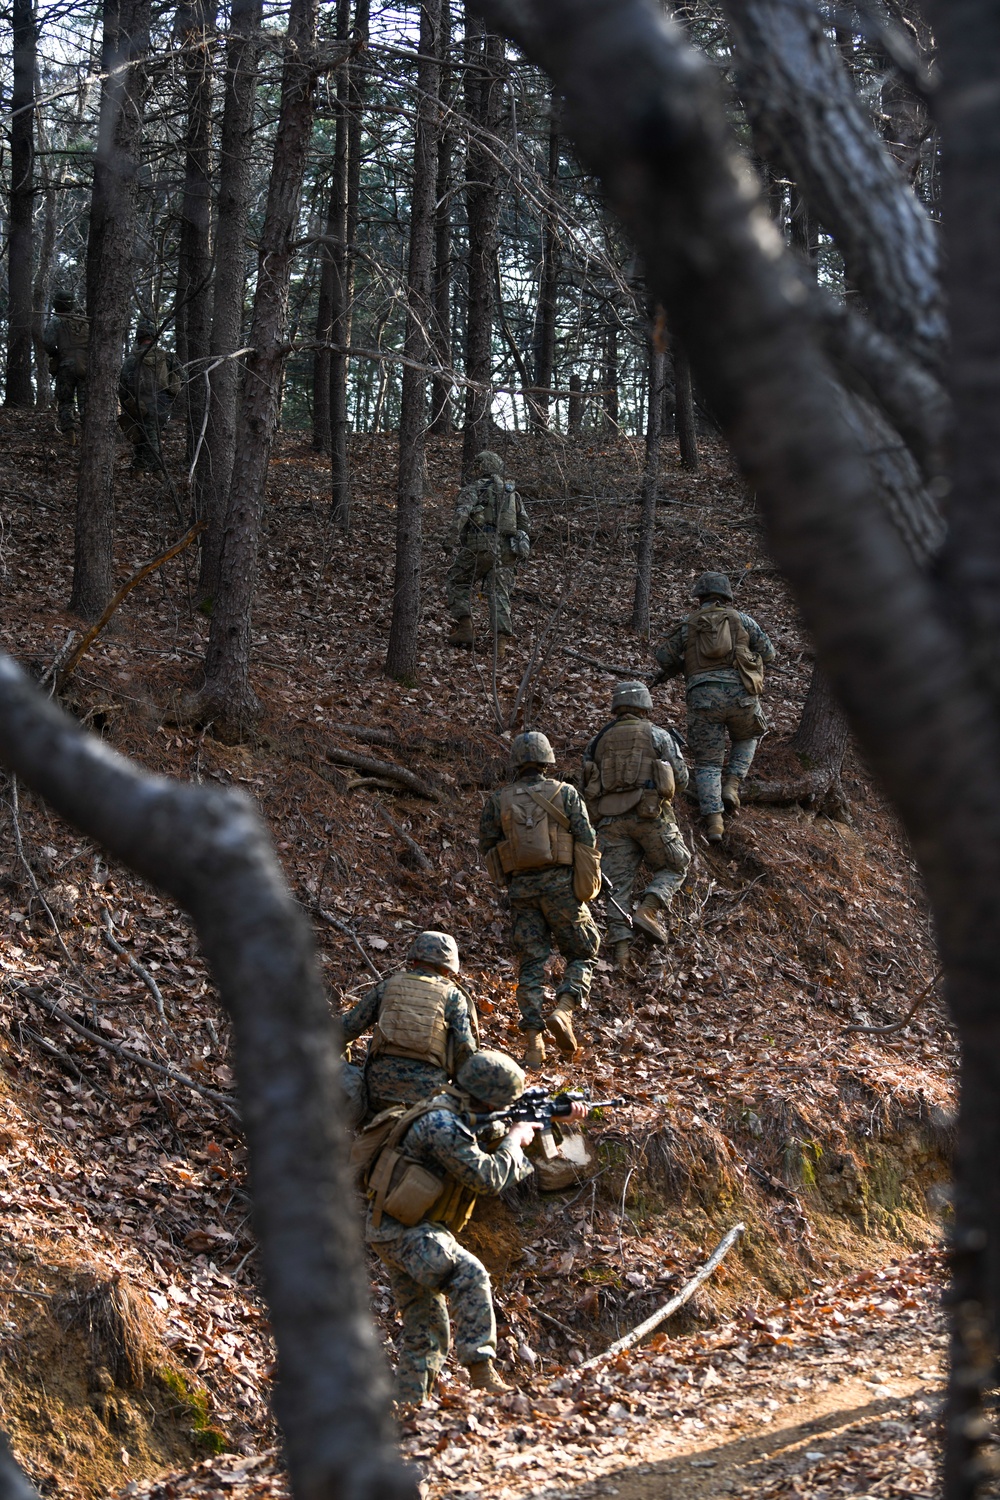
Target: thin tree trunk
<point>484,80</point>
<point>215,461</point>
<point>20,245</point>
<point>574,420</point>
<point>195,29</point>
<point>227,695</point>
<point>334,233</point>
<point>650,478</point>
<point>548,287</point>
<point>343,308</point>
<point>609,376</point>
<point>42,292</point>
<point>687,431</point>
<point>109,288</point>
<point>442,416</point>
<point>401,656</point>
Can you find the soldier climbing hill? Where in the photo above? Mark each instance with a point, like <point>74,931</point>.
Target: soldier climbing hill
<point>66,340</point>
<point>423,1169</point>
<point>539,844</point>
<point>148,386</point>
<point>425,1026</point>
<point>722,654</point>
<point>490,532</point>
<point>630,772</point>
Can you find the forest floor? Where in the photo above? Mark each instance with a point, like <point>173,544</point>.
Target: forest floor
<point>808,1365</point>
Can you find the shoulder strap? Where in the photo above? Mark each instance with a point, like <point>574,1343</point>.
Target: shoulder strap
<point>553,811</point>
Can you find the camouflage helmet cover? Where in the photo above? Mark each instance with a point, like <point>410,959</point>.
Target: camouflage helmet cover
<point>491,1077</point>
<point>630,695</point>
<point>145,328</point>
<point>63,302</point>
<point>489,463</point>
<point>531,749</point>
<point>437,948</point>
<point>713,583</point>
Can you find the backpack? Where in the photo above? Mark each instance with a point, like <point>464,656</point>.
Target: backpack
<point>73,333</point>
<point>532,821</point>
<point>396,1184</point>
<point>711,638</point>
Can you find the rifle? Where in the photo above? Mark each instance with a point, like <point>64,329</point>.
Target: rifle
<point>537,1106</point>
<point>606,890</point>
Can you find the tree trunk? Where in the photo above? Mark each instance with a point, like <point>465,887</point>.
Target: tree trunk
<point>651,477</point>
<point>343,286</point>
<point>548,287</point>
<point>687,430</point>
<point>442,416</point>
<point>195,30</point>
<point>109,290</point>
<point>20,244</point>
<point>609,376</point>
<point>215,462</point>
<point>334,233</point>
<point>401,656</point>
<point>484,79</point>
<point>41,296</point>
<point>227,695</point>
<point>574,419</point>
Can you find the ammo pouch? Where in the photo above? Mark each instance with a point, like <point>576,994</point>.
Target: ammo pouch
<point>663,779</point>
<point>586,871</point>
<point>495,869</point>
<point>415,1191</point>
<point>648,805</point>
<point>751,670</point>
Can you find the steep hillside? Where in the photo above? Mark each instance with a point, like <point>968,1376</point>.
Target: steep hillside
<point>750,1096</point>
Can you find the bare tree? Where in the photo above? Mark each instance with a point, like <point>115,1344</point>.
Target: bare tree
<point>651,476</point>
<point>195,26</point>
<point>442,416</point>
<point>20,243</point>
<point>484,81</point>
<point>548,286</point>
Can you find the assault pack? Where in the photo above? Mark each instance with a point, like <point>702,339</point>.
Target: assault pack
<point>397,1184</point>
<point>627,773</point>
<point>717,637</point>
<point>72,333</point>
<point>494,514</point>
<point>536,828</point>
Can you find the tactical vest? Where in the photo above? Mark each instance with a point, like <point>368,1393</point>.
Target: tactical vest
<point>72,333</point>
<point>411,1020</point>
<point>535,840</point>
<point>629,771</point>
<point>397,1184</point>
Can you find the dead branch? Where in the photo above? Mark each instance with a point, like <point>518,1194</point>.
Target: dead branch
<point>804,788</point>
<point>134,965</point>
<point>91,635</point>
<point>328,916</point>
<point>409,779</point>
<point>423,863</point>
<point>660,1316</point>
<point>898,1025</point>
<point>632,673</point>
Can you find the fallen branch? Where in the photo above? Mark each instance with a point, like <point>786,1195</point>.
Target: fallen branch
<point>134,965</point>
<point>898,1025</point>
<point>327,916</point>
<point>664,1312</point>
<point>91,635</point>
<point>423,863</point>
<point>632,673</point>
<point>372,767</point>
<point>804,788</point>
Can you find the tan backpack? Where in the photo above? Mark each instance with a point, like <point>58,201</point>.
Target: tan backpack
<point>717,637</point>
<point>536,828</point>
<point>396,1184</point>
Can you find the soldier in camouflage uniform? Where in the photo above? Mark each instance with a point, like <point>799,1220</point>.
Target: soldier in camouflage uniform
<point>722,653</point>
<point>630,772</point>
<point>424,1260</point>
<point>490,532</point>
<point>530,832</point>
<point>425,1025</point>
<point>66,340</point>
<point>148,386</point>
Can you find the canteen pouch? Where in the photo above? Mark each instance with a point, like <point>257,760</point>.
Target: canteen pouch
<point>586,872</point>
<point>416,1191</point>
<point>663,779</point>
<point>494,867</point>
<point>648,805</point>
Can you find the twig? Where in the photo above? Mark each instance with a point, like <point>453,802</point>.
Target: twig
<point>409,779</point>
<point>423,862</point>
<point>563,1327</point>
<point>348,932</point>
<point>898,1025</point>
<point>134,965</point>
<point>660,1316</point>
<point>126,588</point>
<point>226,1101</point>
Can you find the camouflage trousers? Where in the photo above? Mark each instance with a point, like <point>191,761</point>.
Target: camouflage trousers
<point>71,395</point>
<point>401,1080</point>
<point>713,710</point>
<point>546,914</point>
<point>143,426</point>
<point>426,1265</point>
<point>626,842</point>
<point>471,567</point>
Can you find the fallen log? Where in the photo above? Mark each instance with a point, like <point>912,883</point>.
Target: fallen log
<point>664,1312</point>
<point>898,1025</point>
<point>373,767</point>
<point>420,858</point>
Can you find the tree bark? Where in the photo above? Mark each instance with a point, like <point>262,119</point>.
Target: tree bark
<point>227,696</point>
<point>548,287</point>
<point>195,29</point>
<point>687,430</point>
<point>484,80</point>
<point>442,416</point>
<point>609,375</point>
<point>109,289</point>
<point>401,656</point>
<point>574,419</point>
<point>651,477</point>
<point>21,240</point>
<point>335,231</point>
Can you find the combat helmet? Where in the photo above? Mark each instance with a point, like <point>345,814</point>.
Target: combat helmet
<point>436,948</point>
<point>531,749</point>
<point>491,1077</point>
<point>63,302</point>
<point>145,328</point>
<point>489,463</point>
<point>713,583</point>
<point>630,695</point>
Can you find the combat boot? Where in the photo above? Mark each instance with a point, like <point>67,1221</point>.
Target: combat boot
<point>714,827</point>
<point>621,952</point>
<point>484,1376</point>
<point>461,632</point>
<point>647,919</point>
<point>560,1023</point>
<point>731,793</point>
<point>534,1052</point>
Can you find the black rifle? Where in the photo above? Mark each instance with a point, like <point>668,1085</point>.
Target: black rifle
<point>607,889</point>
<point>537,1106</point>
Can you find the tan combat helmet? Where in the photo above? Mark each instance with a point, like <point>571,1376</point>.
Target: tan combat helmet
<point>531,749</point>
<point>713,583</point>
<point>438,949</point>
<point>493,1078</point>
<point>630,695</point>
<point>488,463</point>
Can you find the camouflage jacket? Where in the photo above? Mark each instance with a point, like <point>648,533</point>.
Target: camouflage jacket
<point>461,1035</point>
<point>442,1142</point>
<point>480,507</point>
<point>148,372</point>
<point>665,747</point>
<point>670,652</point>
